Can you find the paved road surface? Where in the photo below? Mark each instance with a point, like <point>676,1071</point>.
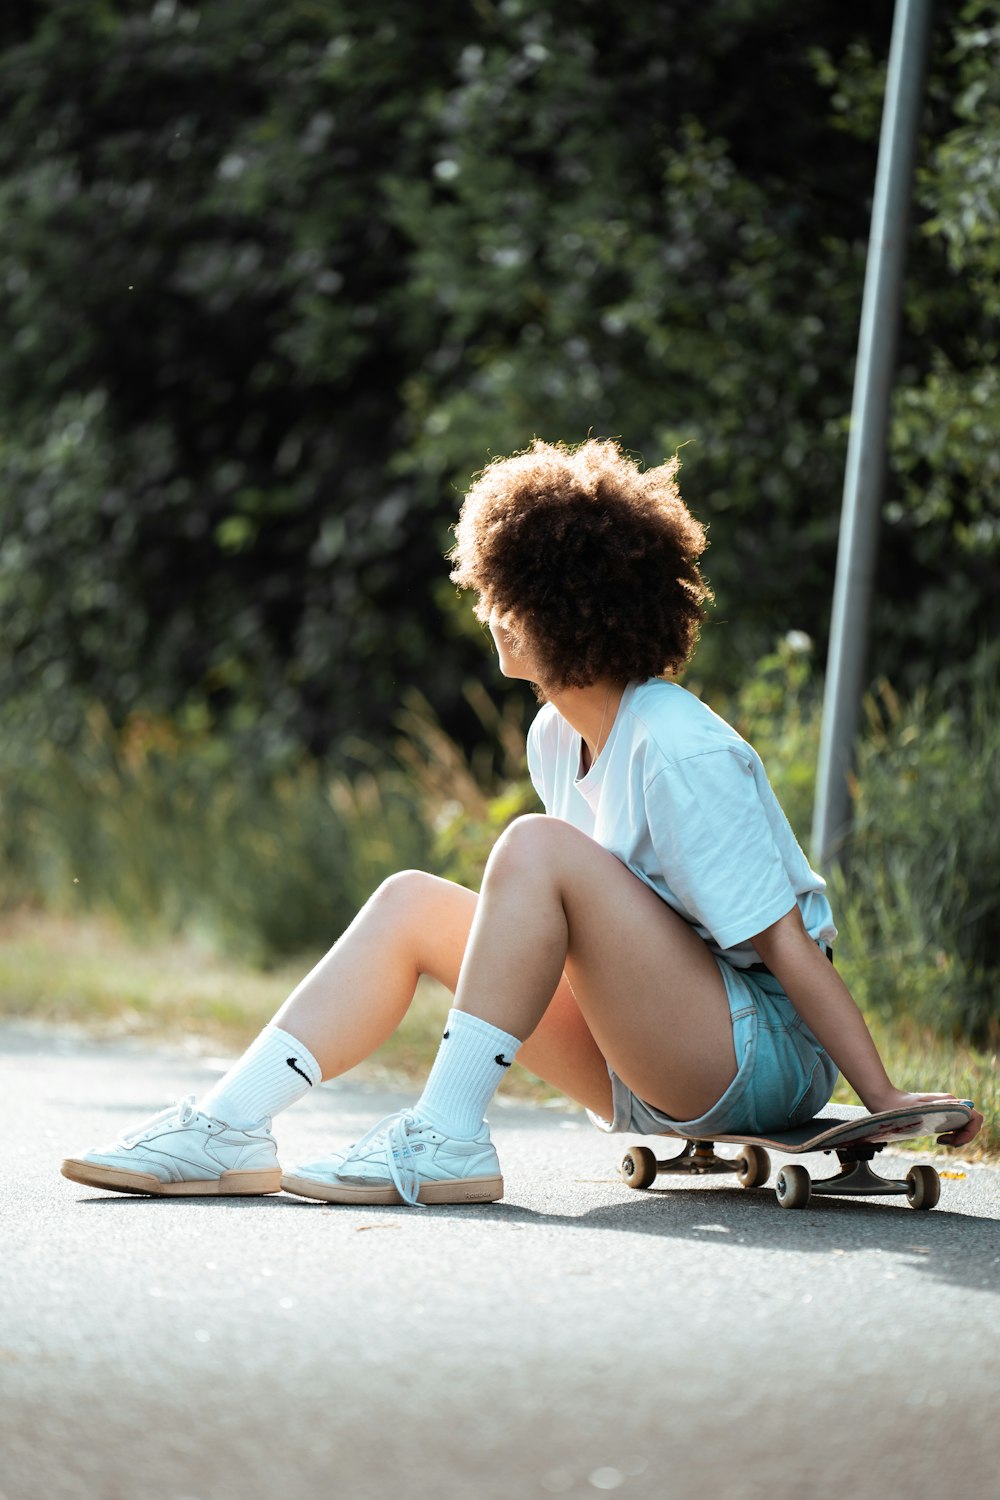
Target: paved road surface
<point>695,1341</point>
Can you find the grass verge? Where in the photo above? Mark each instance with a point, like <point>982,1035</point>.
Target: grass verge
<point>88,974</point>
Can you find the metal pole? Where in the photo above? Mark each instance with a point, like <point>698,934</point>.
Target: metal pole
<point>864,474</point>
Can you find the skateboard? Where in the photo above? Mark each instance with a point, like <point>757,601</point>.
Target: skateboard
<point>854,1134</point>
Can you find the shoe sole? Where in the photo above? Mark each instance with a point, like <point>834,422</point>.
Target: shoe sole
<point>467,1190</point>
<point>230,1184</point>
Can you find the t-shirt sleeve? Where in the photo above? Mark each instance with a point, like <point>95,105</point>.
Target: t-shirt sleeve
<point>534,755</point>
<point>714,842</point>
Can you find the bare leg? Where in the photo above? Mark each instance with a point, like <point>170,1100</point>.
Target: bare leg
<point>414,924</point>
<point>639,987</point>
<point>564,948</point>
<point>356,996</point>
<point>646,985</point>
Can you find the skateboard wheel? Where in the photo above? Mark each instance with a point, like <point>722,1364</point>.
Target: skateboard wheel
<point>638,1168</point>
<point>923,1187</point>
<point>793,1187</point>
<point>753,1166</point>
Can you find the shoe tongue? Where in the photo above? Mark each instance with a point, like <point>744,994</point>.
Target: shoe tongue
<point>138,1130</point>
<point>384,1133</point>
<point>182,1112</point>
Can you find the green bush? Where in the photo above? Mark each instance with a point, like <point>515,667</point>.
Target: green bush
<point>278,279</point>
<point>173,833</point>
<point>778,710</point>
<point>919,899</point>
<point>467,800</point>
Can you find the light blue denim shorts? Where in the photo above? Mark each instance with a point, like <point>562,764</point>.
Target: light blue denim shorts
<point>783,1077</point>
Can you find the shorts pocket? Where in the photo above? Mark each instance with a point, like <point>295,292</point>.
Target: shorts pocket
<point>817,1090</point>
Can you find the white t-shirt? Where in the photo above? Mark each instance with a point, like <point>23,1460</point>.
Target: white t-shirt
<point>682,800</point>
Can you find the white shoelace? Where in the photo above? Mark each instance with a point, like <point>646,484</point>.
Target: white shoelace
<point>400,1156</point>
<point>181,1113</point>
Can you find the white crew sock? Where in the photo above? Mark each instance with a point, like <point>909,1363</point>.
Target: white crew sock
<point>273,1072</point>
<point>472,1059</point>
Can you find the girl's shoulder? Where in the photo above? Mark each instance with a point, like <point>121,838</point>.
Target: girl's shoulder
<point>547,730</point>
<point>676,724</point>
<point>546,721</point>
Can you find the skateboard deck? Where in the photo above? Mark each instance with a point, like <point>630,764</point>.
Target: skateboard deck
<point>854,1134</point>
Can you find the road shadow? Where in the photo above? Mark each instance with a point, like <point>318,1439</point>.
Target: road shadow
<point>944,1244</point>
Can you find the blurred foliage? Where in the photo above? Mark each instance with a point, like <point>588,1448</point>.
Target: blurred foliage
<point>204,341</point>
<point>174,834</point>
<point>279,277</point>
<point>778,709</point>
<point>170,832</point>
<point>467,800</point>
<point>917,900</point>
<point>922,898</point>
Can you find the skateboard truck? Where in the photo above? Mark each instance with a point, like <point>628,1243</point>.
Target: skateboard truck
<point>640,1166</point>
<point>855,1137</point>
<point>697,1159</point>
<point>856,1177</point>
<point>793,1185</point>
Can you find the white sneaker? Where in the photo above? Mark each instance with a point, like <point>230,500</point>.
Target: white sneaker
<point>403,1159</point>
<point>182,1152</point>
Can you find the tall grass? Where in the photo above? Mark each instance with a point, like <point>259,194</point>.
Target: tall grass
<point>917,897</point>
<point>466,801</point>
<point>174,833</point>
<point>921,889</point>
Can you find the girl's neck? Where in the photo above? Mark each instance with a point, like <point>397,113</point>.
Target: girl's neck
<point>591,712</point>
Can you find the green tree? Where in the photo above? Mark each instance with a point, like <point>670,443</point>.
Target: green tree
<point>280,277</point>
<point>201,378</point>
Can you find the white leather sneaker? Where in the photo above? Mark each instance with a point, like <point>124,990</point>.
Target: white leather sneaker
<point>182,1152</point>
<point>403,1159</point>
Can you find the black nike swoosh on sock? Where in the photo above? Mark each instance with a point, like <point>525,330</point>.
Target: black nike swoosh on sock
<point>293,1064</point>
<point>501,1060</point>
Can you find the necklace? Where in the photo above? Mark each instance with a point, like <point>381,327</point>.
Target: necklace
<point>604,715</point>
<point>597,743</point>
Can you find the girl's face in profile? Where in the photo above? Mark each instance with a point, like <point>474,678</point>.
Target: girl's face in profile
<point>513,663</point>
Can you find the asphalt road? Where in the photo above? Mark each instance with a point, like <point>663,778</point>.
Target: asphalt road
<point>691,1341</point>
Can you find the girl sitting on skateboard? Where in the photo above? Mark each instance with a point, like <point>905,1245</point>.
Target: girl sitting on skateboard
<point>655,945</point>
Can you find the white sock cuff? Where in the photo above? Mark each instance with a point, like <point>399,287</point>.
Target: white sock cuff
<point>302,1054</point>
<point>471,1060</point>
<point>459,1020</point>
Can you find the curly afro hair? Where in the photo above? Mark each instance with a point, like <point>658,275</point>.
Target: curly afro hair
<point>588,561</point>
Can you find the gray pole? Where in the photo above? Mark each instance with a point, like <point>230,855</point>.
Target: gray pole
<point>863,478</point>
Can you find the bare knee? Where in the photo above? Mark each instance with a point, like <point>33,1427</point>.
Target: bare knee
<point>532,844</point>
<point>407,893</point>
<point>424,920</point>
<point>422,906</point>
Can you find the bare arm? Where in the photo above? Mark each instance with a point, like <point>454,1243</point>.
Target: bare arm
<point>825,1004</point>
